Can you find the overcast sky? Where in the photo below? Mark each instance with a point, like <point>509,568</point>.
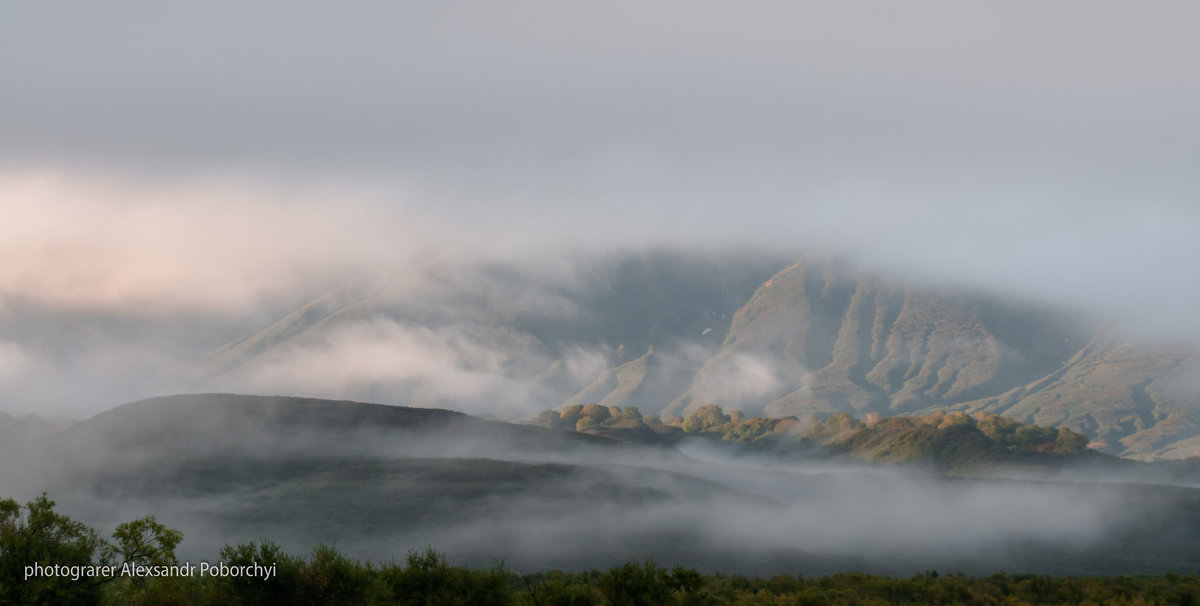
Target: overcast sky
<point>156,157</point>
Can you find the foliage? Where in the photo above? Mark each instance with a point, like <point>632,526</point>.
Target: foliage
<point>427,579</point>
<point>571,414</point>
<point>709,417</point>
<point>144,541</point>
<point>596,412</point>
<point>635,585</point>
<point>42,537</point>
<point>283,587</point>
<point>47,538</point>
<point>328,576</point>
<point>949,441</point>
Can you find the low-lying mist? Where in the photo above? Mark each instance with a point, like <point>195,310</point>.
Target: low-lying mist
<point>379,481</point>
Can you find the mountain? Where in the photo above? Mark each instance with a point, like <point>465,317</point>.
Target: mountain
<point>1134,398</point>
<point>848,341</point>
<point>668,332</point>
<point>841,340</point>
<point>507,339</point>
<point>16,429</point>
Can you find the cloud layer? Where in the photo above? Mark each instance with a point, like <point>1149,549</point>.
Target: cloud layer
<point>219,165</point>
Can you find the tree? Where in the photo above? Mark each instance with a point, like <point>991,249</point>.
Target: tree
<point>844,421</point>
<point>39,536</point>
<point>1069,441</point>
<point>635,585</point>
<point>428,579</point>
<point>998,428</point>
<point>283,588</point>
<point>955,419</point>
<point>597,412</point>
<point>550,419</point>
<point>707,417</point>
<point>1029,437</point>
<point>331,578</point>
<point>144,541</point>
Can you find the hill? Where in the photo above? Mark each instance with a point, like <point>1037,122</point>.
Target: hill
<point>668,333</point>
<point>228,467</point>
<point>379,481</point>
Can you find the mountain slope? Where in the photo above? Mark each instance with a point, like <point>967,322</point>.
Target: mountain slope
<point>847,341</point>
<point>1131,398</point>
<point>832,339</point>
<point>667,333</point>
<point>503,337</point>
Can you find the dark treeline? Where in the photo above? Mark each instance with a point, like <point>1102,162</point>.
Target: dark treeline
<point>329,577</point>
<point>35,533</point>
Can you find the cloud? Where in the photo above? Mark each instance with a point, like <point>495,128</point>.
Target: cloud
<point>86,241</point>
<point>742,379</point>
<point>96,375</point>
<point>584,365</point>
<point>541,500</point>
<point>384,360</point>
<point>174,267</point>
<point>14,362</point>
<point>219,164</point>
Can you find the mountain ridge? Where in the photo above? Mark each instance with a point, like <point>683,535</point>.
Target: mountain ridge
<point>668,334</point>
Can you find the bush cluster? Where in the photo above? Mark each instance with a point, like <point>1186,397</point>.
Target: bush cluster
<point>35,533</point>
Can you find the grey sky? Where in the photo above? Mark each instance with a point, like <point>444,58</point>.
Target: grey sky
<point>496,93</point>
<point>1041,148</point>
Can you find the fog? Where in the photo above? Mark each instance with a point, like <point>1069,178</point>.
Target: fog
<point>378,482</point>
<point>174,179</point>
<point>497,208</point>
<point>112,287</point>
